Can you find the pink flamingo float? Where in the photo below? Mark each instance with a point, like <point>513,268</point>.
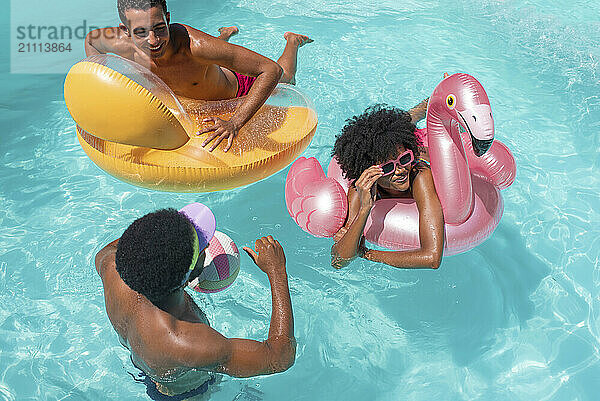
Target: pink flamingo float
<point>467,178</point>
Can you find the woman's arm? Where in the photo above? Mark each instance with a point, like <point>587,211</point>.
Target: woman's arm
<point>360,202</point>
<point>348,238</point>
<point>109,249</point>
<point>431,230</point>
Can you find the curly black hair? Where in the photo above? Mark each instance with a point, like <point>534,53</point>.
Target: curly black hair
<point>155,252</point>
<point>124,5</point>
<point>372,138</point>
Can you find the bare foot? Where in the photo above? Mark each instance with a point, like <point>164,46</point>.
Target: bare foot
<point>297,39</point>
<point>228,31</point>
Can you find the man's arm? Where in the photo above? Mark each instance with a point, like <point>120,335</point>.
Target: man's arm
<point>198,345</point>
<point>348,238</point>
<point>235,58</point>
<point>95,43</point>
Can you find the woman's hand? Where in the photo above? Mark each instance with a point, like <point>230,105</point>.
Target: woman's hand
<point>366,188</point>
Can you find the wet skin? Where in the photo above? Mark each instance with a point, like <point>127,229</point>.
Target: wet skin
<point>396,184</point>
<point>349,241</point>
<point>171,339</point>
<point>192,63</point>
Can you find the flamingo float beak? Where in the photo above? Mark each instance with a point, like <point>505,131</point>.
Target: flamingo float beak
<point>479,123</point>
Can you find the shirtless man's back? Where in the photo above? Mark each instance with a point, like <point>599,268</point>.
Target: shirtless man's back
<point>168,335</point>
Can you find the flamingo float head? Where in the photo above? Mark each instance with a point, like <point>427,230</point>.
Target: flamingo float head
<point>461,97</point>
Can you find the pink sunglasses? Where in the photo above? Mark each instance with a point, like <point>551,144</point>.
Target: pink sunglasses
<point>403,160</point>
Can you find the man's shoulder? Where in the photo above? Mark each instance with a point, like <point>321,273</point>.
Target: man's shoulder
<point>105,258</point>
<point>189,37</point>
<point>186,30</point>
<point>115,40</point>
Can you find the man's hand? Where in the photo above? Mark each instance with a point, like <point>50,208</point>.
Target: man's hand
<point>269,256</point>
<point>221,129</point>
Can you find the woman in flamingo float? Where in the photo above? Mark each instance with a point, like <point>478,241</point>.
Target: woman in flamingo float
<point>379,152</point>
<point>381,187</point>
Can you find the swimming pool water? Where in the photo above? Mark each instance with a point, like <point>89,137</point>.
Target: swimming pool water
<point>517,318</point>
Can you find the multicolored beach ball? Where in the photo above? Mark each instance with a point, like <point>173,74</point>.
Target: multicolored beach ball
<point>221,266</point>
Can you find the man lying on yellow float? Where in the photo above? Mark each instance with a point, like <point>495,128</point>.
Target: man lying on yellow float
<point>139,116</point>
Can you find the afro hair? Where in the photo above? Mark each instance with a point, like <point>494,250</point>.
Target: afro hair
<point>155,252</point>
<point>373,138</point>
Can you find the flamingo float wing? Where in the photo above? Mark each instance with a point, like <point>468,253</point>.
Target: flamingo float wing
<point>316,203</point>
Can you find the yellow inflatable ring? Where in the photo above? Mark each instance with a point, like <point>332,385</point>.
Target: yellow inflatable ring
<point>133,127</point>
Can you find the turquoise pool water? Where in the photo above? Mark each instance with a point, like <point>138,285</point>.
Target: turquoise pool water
<point>517,318</point>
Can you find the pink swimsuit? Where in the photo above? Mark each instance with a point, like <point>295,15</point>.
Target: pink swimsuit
<point>244,84</point>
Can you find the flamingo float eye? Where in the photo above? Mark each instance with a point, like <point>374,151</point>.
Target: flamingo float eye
<point>451,101</point>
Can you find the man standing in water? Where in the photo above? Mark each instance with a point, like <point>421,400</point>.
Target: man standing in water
<point>197,65</point>
<point>144,274</point>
